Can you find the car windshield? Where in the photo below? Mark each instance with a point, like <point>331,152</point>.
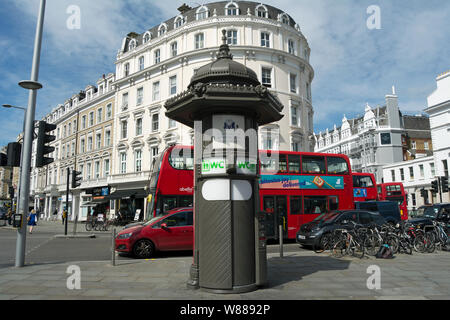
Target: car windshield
<point>426,212</point>
<point>327,217</point>
<point>153,220</point>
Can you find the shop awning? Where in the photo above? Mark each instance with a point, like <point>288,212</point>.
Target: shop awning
<point>127,193</point>
<point>94,202</point>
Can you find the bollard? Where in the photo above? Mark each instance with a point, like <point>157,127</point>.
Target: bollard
<point>113,245</point>
<point>280,235</point>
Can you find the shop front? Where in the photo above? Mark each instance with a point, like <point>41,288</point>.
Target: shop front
<point>130,203</point>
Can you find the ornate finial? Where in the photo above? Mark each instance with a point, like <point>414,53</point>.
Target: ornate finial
<point>224,50</point>
<point>224,36</point>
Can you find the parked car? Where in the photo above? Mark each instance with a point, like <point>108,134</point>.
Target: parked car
<point>171,232</point>
<point>427,213</point>
<point>310,233</point>
<point>388,209</point>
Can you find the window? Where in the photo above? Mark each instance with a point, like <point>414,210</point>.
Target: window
<point>315,205</point>
<point>413,198</point>
<point>199,40</point>
<point>155,122</point>
<point>157,56</point>
<point>261,11</point>
<point>140,96</point>
<point>97,169</point>
<point>426,146</point>
<point>385,138</point>
<point>312,164</point>
<point>123,162</point>
<point>155,95</point>
<point>232,9</point>
<point>107,138</point>
<point>432,169</point>
<point>179,22</point>
<point>174,49</point>
<point>362,182</point>
<point>82,150</point>
<point>294,116</point>
<point>180,219</point>
<point>70,129</point>
<point>109,111</point>
<point>402,174</point>
<point>182,159</point>
<point>202,13</point>
<point>154,152</point>
<point>83,122</point>
<point>147,37</point>
<point>337,165</point>
<point>422,174</point>
<point>294,163</point>
<point>173,85</point>
<point>291,47</point>
<point>99,115</point>
<point>161,30</point>
<point>138,160</point>
<point>132,45</point>
<point>73,148</point>
<point>232,37</point>
<point>282,164</point>
<point>89,146</point>
<point>445,166</point>
<point>125,101</point>
<point>411,173</point>
<point>308,91</point>
<point>139,126</point>
<point>265,39</point>
<point>296,204</point>
<point>141,63</point>
<point>126,70</point>
<point>333,203</point>
<point>393,175</point>
<point>64,131</point>
<point>172,123</point>
<point>91,119</point>
<point>413,144</point>
<point>284,18</point>
<point>267,77</point>
<point>98,140</point>
<point>293,83</point>
<point>106,168</point>
<point>124,129</point>
<point>88,171</point>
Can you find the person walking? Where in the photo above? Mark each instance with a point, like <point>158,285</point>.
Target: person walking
<point>32,220</point>
<point>64,216</point>
<point>55,215</point>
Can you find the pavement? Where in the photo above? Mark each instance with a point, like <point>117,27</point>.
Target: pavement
<point>298,275</point>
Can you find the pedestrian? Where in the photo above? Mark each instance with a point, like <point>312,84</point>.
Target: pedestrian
<point>32,220</point>
<point>64,216</point>
<point>55,215</point>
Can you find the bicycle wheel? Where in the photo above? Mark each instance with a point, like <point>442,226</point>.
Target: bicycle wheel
<point>323,244</point>
<point>420,243</point>
<point>358,250</point>
<point>371,245</point>
<point>88,226</point>
<point>430,241</point>
<point>392,241</point>
<point>339,249</point>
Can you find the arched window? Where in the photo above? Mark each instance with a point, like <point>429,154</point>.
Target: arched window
<point>202,13</point>
<point>284,18</point>
<point>162,29</point>
<point>231,9</point>
<point>132,45</point>
<point>179,21</point>
<point>147,37</point>
<point>261,11</point>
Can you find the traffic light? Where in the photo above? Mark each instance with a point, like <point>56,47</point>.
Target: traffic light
<point>423,193</point>
<point>42,139</point>
<point>14,151</point>
<point>444,184</point>
<point>434,186</point>
<point>75,178</point>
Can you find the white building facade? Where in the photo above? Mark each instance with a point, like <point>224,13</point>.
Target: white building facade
<point>158,64</point>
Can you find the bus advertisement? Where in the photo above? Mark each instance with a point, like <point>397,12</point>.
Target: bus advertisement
<point>294,187</point>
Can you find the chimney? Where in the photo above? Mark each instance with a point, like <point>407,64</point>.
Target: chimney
<point>392,109</point>
<point>184,8</point>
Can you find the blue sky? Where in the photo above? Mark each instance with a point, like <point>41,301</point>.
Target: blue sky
<point>353,65</point>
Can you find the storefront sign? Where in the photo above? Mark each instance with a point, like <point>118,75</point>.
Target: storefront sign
<point>300,182</point>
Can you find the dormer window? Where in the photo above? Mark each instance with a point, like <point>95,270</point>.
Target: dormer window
<point>179,21</point>
<point>284,18</point>
<point>147,37</point>
<point>162,30</point>
<point>231,9</point>
<point>202,13</point>
<point>261,11</point>
<point>132,45</point>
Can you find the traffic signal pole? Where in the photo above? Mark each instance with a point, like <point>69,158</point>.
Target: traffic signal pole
<point>440,188</point>
<point>67,202</point>
<point>28,139</point>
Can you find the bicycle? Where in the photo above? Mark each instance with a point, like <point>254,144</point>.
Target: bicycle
<point>437,236</point>
<point>349,243</point>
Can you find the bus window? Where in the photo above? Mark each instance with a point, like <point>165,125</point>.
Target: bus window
<point>315,205</point>
<point>181,159</point>
<point>362,182</point>
<point>282,164</point>
<point>269,204</point>
<point>268,165</point>
<point>185,201</point>
<point>333,203</point>
<point>337,165</point>
<point>312,164</point>
<point>168,203</point>
<point>296,204</point>
<point>294,163</point>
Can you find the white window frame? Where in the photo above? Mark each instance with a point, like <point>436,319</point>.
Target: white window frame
<point>123,129</point>
<point>262,76</point>
<point>156,94</point>
<point>157,56</point>
<point>174,49</point>
<point>232,11</point>
<point>141,63</point>
<point>139,96</point>
<point>199,40</point>
<point>139,126</point>
<point>171,85</point>
<point>264,11</point>
<point>138,160</point>
<point>231,39</point>
<point>202,13</point>
<point>123,162</point>
<point>265,39</point>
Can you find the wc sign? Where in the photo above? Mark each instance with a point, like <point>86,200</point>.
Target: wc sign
<point>213,166</point>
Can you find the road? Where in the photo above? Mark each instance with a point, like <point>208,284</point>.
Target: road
<point>42,246</point>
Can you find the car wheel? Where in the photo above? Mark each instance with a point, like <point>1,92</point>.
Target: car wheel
<point>143,248</point>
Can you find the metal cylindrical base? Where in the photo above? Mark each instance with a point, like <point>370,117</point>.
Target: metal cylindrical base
<point>239,289</point>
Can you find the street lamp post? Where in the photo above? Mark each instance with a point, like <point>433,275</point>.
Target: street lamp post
<point>33,85</point>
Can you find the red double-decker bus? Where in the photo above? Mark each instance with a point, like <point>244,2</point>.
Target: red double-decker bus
<point>364,187</point>
<point>295,187</point>
<point>394,191</point>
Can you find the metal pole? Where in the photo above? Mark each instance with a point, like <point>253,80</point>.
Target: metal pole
<point>280,235</point>
<point>113,245</point>
<point>28,142</point>
<point>440,188</point>
<point>67,202</point>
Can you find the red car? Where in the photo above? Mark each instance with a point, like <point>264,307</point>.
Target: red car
<point>172,231</point>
